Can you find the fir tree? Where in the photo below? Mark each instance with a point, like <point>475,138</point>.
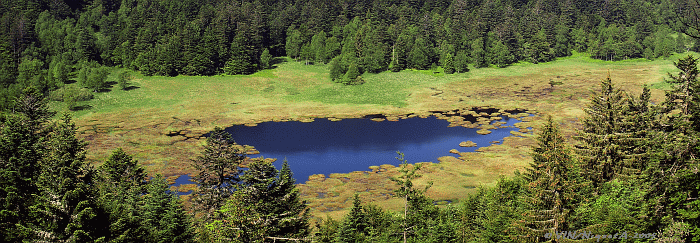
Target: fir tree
<point>217,169</point>
<point>351,75</point>
<point>608,143</point>
<point>449,64</point>
<point>336,72</point>
<point>162,216</point>
<point>419,57</point>
<point>462,62</point>
<point>503,56</point>
<point>354,224</point>
<point>551,188</point>
<point>411,196</point>
<point>267,205</point>
<point>265,59</point>
<point>479,53</point>
<point>68,199</point>
<point>294,42</point>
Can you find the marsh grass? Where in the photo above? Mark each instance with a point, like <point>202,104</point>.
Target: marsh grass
<point>161,120</point>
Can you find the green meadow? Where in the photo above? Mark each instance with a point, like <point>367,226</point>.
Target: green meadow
<point>160,119</point>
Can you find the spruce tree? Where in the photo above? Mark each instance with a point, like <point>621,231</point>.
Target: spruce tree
<point>68,196</point>
<point>479,53</point>
<point>265,59</point>
<point>449,64</point>
<point>294,42</point>
<point>336,72</point>
<point>163,218</point>
<point>351,75</point>
<point>608,141</point>
<point>462,62</point>
<point>121,186</point>
<point>413,197</point>
<point>267,205</point>
<point>419,56</point>
<point>503,56</point>
<point>218,168</point>
<point>672,172</point>
<point>354,224</point>
<point>551,188</point>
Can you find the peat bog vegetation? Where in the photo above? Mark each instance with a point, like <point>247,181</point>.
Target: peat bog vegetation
<point>162,122</point>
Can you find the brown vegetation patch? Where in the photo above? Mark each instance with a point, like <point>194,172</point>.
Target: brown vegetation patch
<point>467,144</point>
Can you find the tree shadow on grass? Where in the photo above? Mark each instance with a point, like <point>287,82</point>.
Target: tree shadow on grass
<point>132,88</point>
<point>81,107</point>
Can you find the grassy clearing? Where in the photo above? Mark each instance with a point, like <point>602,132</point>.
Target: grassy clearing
<point>161,120</point>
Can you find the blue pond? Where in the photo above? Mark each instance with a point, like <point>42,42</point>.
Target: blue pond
<point>324,146</point>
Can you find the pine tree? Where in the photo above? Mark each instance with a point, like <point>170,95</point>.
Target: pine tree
<point>551,188</point>
<point>332,48</point>
<point>218,169</point>
<point>541,49</point>
<point>419,56</point>
<point>318,47</point>
<point>121,186</point>
<point>294,43</point>
<point>561,38</point>
<point>123,80</point>
<point>672,171</point>
<point>21,150</point>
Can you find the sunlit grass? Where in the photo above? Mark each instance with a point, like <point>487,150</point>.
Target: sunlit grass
<point>160,121</point>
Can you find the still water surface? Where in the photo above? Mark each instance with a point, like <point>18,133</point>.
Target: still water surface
<point>324,147</point>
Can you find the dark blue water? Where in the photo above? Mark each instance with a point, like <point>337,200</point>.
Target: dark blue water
<point>324,147</point>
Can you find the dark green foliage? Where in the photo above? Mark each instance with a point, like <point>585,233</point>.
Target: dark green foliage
<point>69,204</point>
<point>217,169</point>
<point>123,80</point>
<point>552,189</point>
<point>503,56</point>
<point>162,216</point>
<point>265,59</point>
<point>267,204</point>
<point>608,148</point>
<point>561,40</point>
<point>413,197</point>
<point>479,53</point>
<point>336,72</point>
<point>540,49</point>
<point>354,224</point>
<point>420,56</point>
<point>461,62</point>
<point>671,174</point>
<point>317,47</point>
<point>294,43</point>
<point>449,64</point>
<point>351,75</point>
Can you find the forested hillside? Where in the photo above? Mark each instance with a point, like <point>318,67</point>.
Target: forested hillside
<point>628,174</point>
<point>49,43</point>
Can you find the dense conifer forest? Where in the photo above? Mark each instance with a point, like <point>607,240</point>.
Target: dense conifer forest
<point>49,43</point>
<point>629,175</point>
